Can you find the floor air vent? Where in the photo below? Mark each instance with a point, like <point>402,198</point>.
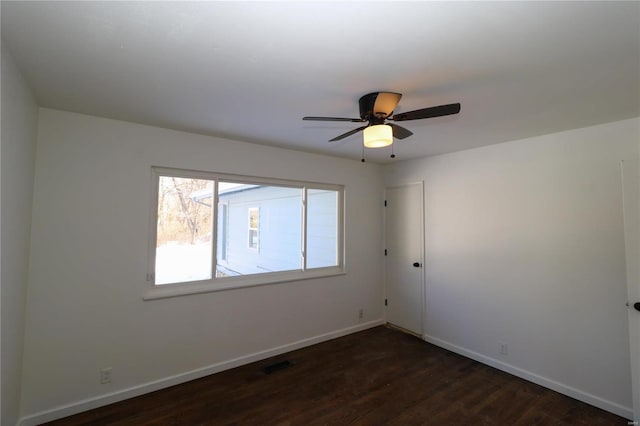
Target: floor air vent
<point>277,367</point>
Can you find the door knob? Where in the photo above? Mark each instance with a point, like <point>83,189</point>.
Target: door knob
<point>416,264</point>
<point>636,306</point>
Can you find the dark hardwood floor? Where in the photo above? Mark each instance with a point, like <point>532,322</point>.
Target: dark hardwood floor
<point>376,377</point>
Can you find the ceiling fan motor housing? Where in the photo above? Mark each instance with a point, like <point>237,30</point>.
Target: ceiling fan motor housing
<point>377,106</point>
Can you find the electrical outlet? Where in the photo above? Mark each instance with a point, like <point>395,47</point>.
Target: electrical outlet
<point>504,349</point>
<point>105,375</point>
<point>361,313</point>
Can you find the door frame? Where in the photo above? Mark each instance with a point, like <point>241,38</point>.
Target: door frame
<point>420,184</point>
<point>630,176</point>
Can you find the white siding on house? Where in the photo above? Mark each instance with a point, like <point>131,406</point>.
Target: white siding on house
<point>280,230</point>
<point>279,233</point>
<point>322,228</point>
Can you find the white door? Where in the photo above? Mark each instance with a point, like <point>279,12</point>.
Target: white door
<point>404,256</point>
<point>631,206</point>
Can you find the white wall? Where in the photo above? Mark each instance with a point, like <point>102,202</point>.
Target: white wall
<point>89,255</point>
<point>525,246</point>
<point>19,124</point>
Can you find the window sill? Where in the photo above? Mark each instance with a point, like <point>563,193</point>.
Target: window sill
<point>164,291</point>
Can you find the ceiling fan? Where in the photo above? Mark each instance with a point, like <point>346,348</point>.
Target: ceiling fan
<point>376,108</point>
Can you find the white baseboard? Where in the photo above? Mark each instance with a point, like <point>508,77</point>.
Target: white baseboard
<point>572,392</point>
<point>120,395</point>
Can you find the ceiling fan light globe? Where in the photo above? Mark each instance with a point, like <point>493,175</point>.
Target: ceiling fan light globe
<point>378,136</point>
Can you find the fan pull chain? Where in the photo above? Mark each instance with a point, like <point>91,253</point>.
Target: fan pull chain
<point>362,153</point>
<point>393,155</point>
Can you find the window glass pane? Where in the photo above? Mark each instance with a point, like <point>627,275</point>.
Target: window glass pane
<point>262,232</point>
<point>322,228</point>
<point>184,231</point>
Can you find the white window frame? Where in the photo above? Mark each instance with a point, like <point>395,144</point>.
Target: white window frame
<point>161,291</point>
<point>225,223</point>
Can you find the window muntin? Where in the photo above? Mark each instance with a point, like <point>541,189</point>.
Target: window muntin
<point>223,232</point>
<point>297,231</point>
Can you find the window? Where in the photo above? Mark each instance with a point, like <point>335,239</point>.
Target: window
<point>257,230</point>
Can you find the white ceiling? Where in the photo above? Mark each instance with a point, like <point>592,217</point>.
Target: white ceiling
<point>251,71</point>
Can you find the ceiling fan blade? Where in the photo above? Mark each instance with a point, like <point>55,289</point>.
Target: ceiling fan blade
<point>437,111</point>
<point>352,120</point>
<point>349,133</point>
<point>400,132</point>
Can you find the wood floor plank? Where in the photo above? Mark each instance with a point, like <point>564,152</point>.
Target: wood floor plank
<point>376,377</point>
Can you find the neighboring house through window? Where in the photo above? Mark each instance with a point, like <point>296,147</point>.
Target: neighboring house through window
<point>254,224</point>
